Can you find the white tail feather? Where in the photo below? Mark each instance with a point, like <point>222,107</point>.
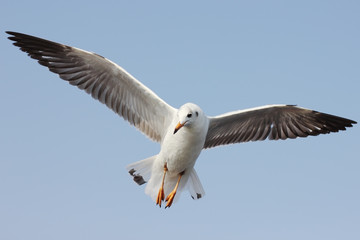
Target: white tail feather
<point>141,170</point>
<point>195,188</point>
<point>154,183</point>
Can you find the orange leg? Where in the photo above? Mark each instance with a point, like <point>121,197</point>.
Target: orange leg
<point>170,198</point>
<point>161,194</point>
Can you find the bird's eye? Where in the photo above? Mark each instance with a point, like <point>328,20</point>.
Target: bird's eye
<point>189,115</point>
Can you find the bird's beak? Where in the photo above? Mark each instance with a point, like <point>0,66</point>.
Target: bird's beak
<point>178,126</point>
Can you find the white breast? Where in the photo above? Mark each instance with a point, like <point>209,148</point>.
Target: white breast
<point>181,150</point>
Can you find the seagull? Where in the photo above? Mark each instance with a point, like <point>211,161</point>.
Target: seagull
<point>182,133</point>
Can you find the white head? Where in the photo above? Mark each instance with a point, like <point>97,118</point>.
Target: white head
<point>189,115</point>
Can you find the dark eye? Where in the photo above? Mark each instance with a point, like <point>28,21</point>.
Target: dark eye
<point>189,115</point>
<point>197,114</point>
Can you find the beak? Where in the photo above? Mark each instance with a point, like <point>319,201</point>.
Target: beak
<point>178,126</point>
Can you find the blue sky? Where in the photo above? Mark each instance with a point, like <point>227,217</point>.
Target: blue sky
<point>63,155</point>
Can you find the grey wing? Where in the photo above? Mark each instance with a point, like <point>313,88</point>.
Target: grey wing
<point>104,80</point>
<point>273,122</point>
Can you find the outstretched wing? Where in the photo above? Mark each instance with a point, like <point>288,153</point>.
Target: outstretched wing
<point>273,122</point>
<point>104,80</point>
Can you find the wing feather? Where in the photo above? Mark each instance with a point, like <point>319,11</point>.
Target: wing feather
<point>103,80</point>
<point>273,122</point>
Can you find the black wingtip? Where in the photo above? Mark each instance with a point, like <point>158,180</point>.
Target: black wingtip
<point>14,34</point>
<point>137,177</point>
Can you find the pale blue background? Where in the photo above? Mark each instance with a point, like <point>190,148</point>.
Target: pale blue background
<point>63,155</point>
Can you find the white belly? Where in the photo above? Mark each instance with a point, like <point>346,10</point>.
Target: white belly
<point>179,151</point>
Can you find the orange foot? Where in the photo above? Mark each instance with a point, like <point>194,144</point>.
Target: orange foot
<point>170,198</point>
<point>161,194</point>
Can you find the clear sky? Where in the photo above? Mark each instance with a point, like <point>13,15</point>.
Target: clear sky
<point>63,155</point>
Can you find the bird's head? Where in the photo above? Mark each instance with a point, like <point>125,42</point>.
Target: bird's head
<point>188,115</point>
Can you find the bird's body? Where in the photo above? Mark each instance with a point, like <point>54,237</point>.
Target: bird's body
<point>178,152</point>
<point>182,133</point>
<point>181,150</point>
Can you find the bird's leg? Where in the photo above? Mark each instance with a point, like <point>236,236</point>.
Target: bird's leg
<point>161,194</point>
<point>170,198</point>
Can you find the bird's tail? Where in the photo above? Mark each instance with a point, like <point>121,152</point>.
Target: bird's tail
<point>189,181</point>
<point>195,188</point>
<point>141,170</point>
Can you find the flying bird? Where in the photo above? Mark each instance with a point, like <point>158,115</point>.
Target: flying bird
<point>182,133</point>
